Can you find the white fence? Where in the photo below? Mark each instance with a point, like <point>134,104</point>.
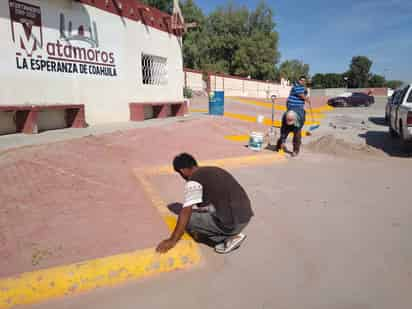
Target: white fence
<point>332,92</point>
<point>235,86</point>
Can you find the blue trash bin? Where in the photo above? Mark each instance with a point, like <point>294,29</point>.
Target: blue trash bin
<point>217,103</point>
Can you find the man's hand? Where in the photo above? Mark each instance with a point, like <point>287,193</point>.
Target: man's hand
<point>166,245</point>
<point>178,232</point>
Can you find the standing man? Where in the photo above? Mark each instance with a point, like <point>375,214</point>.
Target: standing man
<point>216,207</point>
<point>294,122</point>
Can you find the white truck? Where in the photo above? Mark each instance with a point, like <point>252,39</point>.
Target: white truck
<point>400,116</point>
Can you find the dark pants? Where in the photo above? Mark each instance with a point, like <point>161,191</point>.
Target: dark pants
<point>285,130</point>
<point>203,228</point>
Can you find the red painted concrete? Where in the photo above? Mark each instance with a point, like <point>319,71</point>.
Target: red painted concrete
<point>78,200</point>
<point>160,110</point>
<point>136,11</point>
<point>27,115</point>
<point>136,112</point>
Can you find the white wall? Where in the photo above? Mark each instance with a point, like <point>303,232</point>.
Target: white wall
<point>106,98</point>
<point>235,87</point>
<point>195,81</point>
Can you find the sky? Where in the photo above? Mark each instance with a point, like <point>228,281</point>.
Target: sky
<point>326,34</point>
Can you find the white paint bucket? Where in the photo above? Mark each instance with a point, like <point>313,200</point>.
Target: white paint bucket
<point>260,119</point>
<point>256,141</point>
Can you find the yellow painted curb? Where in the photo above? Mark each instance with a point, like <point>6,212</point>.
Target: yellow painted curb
<point>42,285</point>
<point>238,138</point>
<point>245,138</point>
<point>50,283</point>
<point>316,115</point>
<point>266,121</point>
<point>260,103</point>
<point>323,108</point>
<point>228,163</point>
<point>198,110</point>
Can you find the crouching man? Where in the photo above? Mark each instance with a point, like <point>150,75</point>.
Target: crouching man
<point>291,123</point>
<point>216,207</point>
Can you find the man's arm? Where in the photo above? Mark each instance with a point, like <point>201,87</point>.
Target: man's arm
<point>178,232</point>
<point>304,98</point>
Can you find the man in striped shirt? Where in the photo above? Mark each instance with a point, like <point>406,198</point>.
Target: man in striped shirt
<point>296,104</point>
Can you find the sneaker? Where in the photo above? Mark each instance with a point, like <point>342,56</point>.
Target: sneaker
<point>295,154</point>
<point>230,244</point>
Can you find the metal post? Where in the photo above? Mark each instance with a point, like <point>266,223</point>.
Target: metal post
<point>272,132</point>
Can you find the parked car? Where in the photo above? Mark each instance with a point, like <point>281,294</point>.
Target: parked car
<point>352,99</point>
<point>400,116</point>
<point>389,104</point>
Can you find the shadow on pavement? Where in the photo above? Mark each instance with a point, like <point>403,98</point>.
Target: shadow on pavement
<point>271,148</point>
<point>380,121</point>
<point>175,208</point>
<point>383,141</point>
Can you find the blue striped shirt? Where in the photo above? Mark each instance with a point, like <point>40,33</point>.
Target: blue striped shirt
<point>294,101</point>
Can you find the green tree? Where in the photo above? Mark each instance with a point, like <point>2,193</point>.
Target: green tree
<point>377,81</point>
<point>328,80</point>
<point>258,53</point>
<point>293,69</point>
<point>359,72</point>
<point>233,39</point>
<point>394,84</point>
<point>334,80</point>
<point>163,5</point>
<point>194,41</point>
<point>318,81</point>
<point>225,27</point>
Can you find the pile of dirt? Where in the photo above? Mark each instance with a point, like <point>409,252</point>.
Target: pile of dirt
<point>331,145</point>
<point>344,122</point>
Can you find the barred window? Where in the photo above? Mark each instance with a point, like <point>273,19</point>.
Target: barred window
<point>154,70</point>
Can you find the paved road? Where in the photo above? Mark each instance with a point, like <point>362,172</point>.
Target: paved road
<point>329,232</point>
<point>362,126</point>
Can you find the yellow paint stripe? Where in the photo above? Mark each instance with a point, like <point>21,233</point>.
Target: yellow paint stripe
<point>238,138</point>
<point>160,204</point>
<point>33,287</point>
<point>195,110</point>
<point>266,121</point>
<point>245,138</point>
<point>323,108</point>
<point>38,286</point>
<point>316,115</point>
<point>228,163</point>
<point>260,103</point>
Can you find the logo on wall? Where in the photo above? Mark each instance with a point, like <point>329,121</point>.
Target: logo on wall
<point>76,51</point>
<point>82,33</point>
<point>26,26</point>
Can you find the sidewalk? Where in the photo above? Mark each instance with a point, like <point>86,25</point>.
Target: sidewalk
<point>68,205</point>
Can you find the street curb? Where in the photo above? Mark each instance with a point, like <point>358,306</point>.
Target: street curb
<point>42,285</point>
<point>39,286</point>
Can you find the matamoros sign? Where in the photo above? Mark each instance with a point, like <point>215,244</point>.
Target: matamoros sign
<point>75,50</point>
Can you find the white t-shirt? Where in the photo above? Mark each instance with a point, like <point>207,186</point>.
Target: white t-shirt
<point>193,194</point>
